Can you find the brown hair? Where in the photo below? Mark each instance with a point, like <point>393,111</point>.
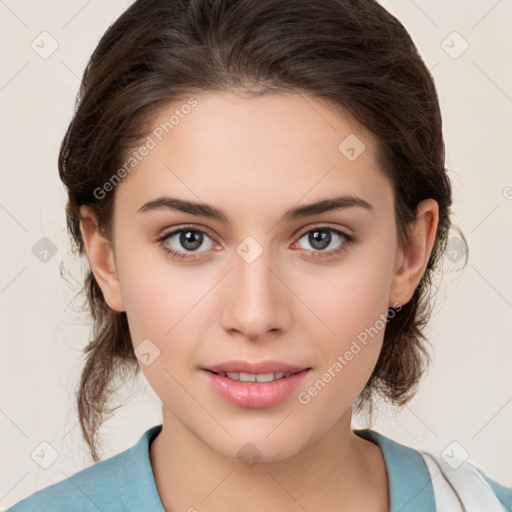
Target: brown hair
<point>352,53</point>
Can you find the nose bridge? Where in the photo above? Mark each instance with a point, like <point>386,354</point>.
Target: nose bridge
<point>254,299</point>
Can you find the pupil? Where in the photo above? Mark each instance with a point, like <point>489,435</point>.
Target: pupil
<point>188,241</point>
<point>322,236</point>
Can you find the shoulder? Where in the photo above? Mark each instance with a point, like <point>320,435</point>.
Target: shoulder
<point>122,482</point>
<point>91,489</point>
<point>463,479</point>
<point>504,494</point>
<point>422,480</point>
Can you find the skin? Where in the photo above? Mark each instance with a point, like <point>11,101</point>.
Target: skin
<point>254,158</point>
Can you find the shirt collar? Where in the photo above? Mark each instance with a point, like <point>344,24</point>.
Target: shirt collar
<point>140,492</point>
<point>410,488</point>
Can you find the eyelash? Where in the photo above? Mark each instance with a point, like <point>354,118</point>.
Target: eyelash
<point>348,239</point>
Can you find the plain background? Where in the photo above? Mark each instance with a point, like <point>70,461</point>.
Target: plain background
<point>467,395</point>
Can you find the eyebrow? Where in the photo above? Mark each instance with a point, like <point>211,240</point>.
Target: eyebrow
<point>211,212</point>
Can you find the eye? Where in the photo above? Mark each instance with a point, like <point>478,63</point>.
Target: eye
<point>180,243</point>
<point>321,238</point>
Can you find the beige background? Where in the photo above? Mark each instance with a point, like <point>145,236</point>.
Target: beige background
<point>467,395</point>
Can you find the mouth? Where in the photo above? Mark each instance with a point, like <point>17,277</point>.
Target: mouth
<point>255,390</point>
<point>256,377</point>
<point>257,368</point>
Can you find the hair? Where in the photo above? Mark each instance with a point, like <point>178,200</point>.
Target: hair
<point>351,53</point>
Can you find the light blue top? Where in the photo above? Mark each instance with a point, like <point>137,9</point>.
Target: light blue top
<point>125,482</point>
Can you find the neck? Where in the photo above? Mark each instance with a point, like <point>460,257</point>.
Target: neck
<point>339,471</point>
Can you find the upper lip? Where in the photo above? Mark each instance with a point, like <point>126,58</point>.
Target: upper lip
<point>261,367</point>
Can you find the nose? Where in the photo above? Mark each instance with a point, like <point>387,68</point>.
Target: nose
<point>256,302</point>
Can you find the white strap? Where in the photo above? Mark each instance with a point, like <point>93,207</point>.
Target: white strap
<point>460,490</point>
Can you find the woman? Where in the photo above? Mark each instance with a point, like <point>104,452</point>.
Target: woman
<point>260,191</point>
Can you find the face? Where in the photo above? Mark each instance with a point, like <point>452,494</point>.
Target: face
<point>309,290</point>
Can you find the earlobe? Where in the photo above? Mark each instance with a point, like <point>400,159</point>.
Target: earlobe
<point>410,264</point>
<point>100,255</point>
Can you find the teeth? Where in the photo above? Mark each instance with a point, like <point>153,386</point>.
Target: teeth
<point>251,377</point>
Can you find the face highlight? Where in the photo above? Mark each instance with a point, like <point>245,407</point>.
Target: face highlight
<point>248,233</point>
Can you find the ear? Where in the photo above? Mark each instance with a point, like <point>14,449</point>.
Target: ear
<point>410,264</point>
<point>101,259</point>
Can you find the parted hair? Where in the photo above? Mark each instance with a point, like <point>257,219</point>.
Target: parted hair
<point>352,53</point>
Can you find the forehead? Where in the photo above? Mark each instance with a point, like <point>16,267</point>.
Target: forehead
<point>229,146</point>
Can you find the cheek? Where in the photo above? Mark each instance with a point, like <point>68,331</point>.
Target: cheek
<point>351,298</point>
<point>349,357</point>
<point>159,296</point>
<point>352,306</point>
<point>164,306</point>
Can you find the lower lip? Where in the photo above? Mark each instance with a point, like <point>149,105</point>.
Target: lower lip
<point>255,395</point>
